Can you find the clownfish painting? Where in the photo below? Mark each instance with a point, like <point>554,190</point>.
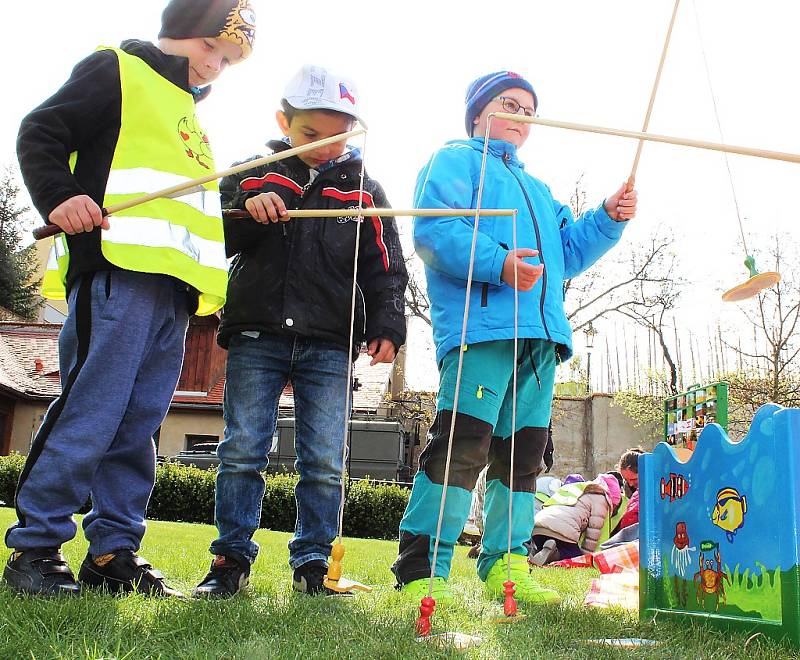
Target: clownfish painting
<point>729,511</point>
<point>676,487</point>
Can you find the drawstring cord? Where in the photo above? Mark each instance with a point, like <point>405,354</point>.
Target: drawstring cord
<point>527,344</point>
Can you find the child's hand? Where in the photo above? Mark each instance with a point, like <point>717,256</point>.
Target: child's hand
<point>622,204</point>
<point>267,207</point>
<point>78,214</point>
<point>381,350</point>
<point>527,274</point>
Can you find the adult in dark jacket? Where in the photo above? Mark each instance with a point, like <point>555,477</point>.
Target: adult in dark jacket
<point>287,320</point>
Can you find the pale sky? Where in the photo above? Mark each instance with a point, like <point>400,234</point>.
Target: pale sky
<point>590,62</point>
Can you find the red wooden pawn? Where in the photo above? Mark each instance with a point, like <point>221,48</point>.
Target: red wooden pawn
<point>510,604</point>
<point>426,607</point>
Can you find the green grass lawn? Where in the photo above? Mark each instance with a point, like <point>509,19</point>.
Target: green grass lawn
<point>269,621</point>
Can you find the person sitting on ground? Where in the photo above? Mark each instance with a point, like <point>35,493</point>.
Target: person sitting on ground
<point>577,519</point>
<point>628,467</point>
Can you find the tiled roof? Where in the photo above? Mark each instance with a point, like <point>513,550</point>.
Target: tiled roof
<point>29,358</point>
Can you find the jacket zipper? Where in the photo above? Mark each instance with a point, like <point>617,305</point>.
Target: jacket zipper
<point>364,305</point>
<point>309,186</point>
<point>538,245</point>
<point>485,294</point>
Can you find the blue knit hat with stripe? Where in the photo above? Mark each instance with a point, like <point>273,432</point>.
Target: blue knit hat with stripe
<point>485,88</point>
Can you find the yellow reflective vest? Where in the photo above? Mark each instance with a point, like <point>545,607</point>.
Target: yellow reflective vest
<point>160,144</point>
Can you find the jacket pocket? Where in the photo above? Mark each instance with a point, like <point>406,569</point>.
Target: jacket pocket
<point>485,294</point>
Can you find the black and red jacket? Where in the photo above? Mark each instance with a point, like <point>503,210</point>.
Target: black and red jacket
<point>295,277</point>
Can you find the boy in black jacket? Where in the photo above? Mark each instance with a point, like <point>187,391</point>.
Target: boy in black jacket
<point>287,319</point>
<point>123,125</point>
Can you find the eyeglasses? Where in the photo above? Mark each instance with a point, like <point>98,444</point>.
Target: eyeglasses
<point>513,106</point>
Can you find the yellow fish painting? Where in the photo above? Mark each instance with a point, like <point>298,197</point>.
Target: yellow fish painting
<point>729,511</point>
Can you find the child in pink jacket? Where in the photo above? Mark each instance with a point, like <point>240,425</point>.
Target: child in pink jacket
<point>576,518</point>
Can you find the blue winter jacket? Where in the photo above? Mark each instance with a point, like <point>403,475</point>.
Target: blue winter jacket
<point>566,247</point>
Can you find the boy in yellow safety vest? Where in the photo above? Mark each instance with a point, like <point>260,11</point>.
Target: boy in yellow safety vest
<point>123,125</point>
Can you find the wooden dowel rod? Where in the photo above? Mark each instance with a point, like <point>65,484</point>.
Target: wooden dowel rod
<point>646,123</point>
<point>354,213</point>
<point>174,191</point>
<point>651,137</point>
<point>242,167</point>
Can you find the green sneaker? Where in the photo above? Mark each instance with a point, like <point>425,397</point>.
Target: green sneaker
<point>527,590</point>
<point>418,589</point>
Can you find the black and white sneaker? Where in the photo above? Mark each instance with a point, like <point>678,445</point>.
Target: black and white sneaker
<point>226,577</point>
<point>124,571</point>
<point>40,572</point>
<point>308,579</point>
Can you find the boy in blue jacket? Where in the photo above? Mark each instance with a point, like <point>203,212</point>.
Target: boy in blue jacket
<point>553,247</point>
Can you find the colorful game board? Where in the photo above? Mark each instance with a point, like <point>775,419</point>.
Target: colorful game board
<point>719,533</point>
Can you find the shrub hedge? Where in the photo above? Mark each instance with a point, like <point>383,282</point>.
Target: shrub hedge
<point>186,494</point>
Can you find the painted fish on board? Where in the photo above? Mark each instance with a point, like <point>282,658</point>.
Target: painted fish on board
<point>675,487</point>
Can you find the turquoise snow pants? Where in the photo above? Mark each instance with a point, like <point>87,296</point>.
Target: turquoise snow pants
<point>482,437</point>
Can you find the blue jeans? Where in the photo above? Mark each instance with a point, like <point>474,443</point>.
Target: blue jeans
<point>258,370</point>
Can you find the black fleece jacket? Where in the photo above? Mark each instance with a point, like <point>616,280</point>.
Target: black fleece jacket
<point>84,115</point>
<point>296,277</point>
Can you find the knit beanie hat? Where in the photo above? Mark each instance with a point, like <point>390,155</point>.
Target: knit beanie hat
<point>485,88</point>
<point>231,20</point>
<point>612,486</point>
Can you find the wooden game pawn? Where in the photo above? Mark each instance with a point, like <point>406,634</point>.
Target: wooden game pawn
<point>510,604</point>
<point>426,607</point>
<point>335,569</point>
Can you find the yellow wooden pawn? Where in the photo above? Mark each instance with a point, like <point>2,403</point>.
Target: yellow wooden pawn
<point>334,580</point>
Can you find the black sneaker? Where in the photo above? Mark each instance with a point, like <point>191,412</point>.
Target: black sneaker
<point>124,571</point>
<point>227,576</point>
<point>308,579</point>
<point>42,572</point>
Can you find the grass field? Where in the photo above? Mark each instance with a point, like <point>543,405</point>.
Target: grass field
<point>269,621</point>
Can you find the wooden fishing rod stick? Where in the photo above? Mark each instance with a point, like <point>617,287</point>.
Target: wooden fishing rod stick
<point>354,213</point>
<point>652,137</point>
<point>646,124</point>
<point>175,191</point>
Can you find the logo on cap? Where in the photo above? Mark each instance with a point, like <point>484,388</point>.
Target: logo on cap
<point>345,94</point>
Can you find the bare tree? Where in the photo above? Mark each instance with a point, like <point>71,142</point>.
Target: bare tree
<point>641,285</point>
<point>417,302</point>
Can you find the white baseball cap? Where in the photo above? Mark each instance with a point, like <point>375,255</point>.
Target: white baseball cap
<point>317,88</point>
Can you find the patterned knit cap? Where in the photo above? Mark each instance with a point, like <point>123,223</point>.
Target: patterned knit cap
<point>231,20</point>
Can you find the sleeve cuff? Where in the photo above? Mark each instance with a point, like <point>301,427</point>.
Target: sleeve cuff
<point>606,224</point>
<point>497,265</point>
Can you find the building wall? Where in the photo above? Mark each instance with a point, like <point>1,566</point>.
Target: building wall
<point>591,433</point>
<point>180,423</point>
<point>27,418</point>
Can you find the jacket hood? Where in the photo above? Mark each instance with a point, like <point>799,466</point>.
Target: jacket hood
<point>172,67</point>
<point>610,485</point>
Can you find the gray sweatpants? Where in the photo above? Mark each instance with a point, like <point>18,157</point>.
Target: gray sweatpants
<point>120,351</point>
